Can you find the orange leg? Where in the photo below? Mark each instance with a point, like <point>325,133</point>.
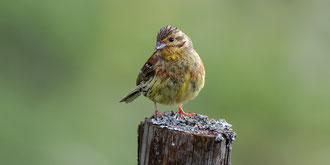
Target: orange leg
<point>181,112</point>
<point>156,111</point>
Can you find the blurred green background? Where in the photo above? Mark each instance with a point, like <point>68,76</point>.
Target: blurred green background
<point>65,64</point>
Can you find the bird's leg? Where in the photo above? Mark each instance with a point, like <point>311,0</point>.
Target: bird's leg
<point>156,111</point>
<point>181,112</point>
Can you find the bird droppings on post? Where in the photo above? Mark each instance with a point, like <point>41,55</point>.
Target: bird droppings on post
<point>197,124</point>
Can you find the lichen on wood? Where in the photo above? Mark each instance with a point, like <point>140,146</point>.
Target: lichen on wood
<point>175,139</point>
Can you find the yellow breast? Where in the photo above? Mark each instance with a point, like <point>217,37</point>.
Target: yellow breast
<point>179,78</point>
<point>169,93</point>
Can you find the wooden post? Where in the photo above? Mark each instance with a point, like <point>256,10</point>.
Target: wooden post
<point>197,140</point>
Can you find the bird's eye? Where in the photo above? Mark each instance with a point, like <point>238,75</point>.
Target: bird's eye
<point>171,39</point>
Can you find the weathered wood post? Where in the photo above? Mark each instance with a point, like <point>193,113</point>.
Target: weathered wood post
<point>197,140</point>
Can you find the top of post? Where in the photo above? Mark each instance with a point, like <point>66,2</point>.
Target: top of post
<point>197,124</point>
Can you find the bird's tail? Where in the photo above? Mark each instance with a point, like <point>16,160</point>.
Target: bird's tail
<point>132,95</point>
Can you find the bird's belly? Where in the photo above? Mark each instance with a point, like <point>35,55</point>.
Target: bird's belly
<point>169,92</point>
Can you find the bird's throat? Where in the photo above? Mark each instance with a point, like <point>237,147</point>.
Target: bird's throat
<point>172,56</point>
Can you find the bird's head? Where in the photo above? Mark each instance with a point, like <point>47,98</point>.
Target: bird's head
<point>171,40</point>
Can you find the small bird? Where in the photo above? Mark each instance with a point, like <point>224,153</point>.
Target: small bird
<point>173,75</point>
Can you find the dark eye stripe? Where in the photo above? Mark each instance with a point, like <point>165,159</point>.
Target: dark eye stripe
<point>181,44</point>
<point>179,38</point>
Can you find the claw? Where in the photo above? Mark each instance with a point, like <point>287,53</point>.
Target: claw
<point>158,114</point>
<point>181,112</point>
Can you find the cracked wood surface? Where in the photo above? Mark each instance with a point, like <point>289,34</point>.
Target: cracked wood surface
<point>161,146</point>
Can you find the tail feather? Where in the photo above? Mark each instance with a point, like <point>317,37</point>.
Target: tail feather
<point>132,95</point>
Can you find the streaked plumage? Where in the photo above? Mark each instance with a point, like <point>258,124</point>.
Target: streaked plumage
<point>173,75</point>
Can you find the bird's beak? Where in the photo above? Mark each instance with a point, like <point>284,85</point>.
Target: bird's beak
<point>160,46</point>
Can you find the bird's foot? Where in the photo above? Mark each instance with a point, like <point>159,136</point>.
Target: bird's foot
<point>158,114</point>
<point>181,112</point>
<point>187,114</point>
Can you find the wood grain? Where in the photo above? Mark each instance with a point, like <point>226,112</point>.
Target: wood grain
<point>162,146</point>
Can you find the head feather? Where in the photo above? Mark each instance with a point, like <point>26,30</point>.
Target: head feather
<point>166,31</point>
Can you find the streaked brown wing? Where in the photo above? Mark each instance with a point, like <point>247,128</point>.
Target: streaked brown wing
<point>148,69</point>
